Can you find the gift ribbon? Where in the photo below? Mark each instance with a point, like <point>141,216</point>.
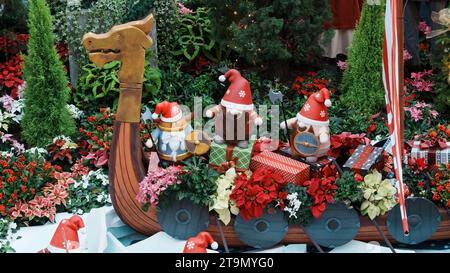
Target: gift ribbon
<point>427,144</point>
<point>362,157</point>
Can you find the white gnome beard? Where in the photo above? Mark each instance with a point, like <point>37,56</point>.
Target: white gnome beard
<point>235,112</point>
<point>175,140</point>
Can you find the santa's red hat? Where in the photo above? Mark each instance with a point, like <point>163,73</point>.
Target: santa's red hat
<point>199,243</point>
<point>67,231</point>
<point>239,94</point>
<point>314,111</point>
<point>169,111</point>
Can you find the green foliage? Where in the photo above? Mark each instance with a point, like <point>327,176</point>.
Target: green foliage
<point>442,78</point>
<point>138,9</point>
<point>100,86</point>
<point>362,85</point>
<point>166,15</point>
<point>13,16</point>
<point>58,11</point>
<point>268,32</point>
<point>8,229</point>
<point>348,190</point>
<point>45,112</point>
<point>198,183</point>
<point>194,35</point>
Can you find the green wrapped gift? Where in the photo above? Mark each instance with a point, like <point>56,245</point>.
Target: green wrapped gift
<point>223,153</point>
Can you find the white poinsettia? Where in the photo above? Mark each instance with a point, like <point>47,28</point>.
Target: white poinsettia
<point>5,120</point>
<point>222,204</point>
<point>379,195</point>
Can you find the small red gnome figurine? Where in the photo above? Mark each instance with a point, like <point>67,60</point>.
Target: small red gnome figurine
<point>199,243</point>
<point>235,115</point>
<point>314,114</point>
<point>65,239</point>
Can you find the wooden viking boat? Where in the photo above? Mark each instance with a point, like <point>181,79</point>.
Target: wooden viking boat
<point>127,43</point>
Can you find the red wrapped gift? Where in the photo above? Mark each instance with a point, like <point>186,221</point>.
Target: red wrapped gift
<point>292,170</point>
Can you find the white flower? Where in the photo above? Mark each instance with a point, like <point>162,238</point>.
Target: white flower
<point>80,211</point>
<point>13,225</point>
<point>74,111</point>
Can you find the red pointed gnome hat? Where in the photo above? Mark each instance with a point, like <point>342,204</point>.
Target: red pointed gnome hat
<point>314,111</point>
<point>169,111</point>
<point>67,228</point>
<point>239,94</point>
<point>199,243</point>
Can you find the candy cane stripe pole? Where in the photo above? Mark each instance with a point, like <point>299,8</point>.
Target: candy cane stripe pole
<point>393,87</point>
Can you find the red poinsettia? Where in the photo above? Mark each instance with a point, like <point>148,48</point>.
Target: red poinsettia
<point>253,195</point>
<point>322,190</point>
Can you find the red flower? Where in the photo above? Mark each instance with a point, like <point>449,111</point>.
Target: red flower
<point>23,189</point>
<point>420,184</point>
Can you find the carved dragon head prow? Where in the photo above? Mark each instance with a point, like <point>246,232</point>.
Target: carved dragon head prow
<point>126,43</point>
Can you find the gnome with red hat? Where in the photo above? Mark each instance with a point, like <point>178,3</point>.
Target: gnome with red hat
<point>65,239</point>
<point>171,132</point>
<point>314,114</point>
<point>235,116</point>
<point>199,243</point>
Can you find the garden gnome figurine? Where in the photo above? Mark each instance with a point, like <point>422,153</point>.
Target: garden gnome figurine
<point>171,132</point>
<point>235,116</point>
<point>199,243</point>
<point>314,114</point>
<point>65,239</point>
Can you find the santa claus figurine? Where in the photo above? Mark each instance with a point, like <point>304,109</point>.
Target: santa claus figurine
<point>199,243</point>
<point>65,239</point>
<point>235,116</point>
<point>314,115</point>
<point>171,132</point>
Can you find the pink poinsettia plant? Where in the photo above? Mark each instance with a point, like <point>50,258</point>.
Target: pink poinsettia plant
<point>156,182</point>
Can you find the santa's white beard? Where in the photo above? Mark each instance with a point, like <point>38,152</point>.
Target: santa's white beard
<point>175,140</point>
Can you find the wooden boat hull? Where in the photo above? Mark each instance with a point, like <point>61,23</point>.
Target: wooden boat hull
<point>127,170</point>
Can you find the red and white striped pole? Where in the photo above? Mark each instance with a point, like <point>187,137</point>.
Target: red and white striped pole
<point>393,82</point>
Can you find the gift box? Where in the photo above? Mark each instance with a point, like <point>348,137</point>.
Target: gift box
<point>433,155</point>
<point>363,159</point>
<point>291,170</point>
<point>230,155</point>
<point>314,166</point>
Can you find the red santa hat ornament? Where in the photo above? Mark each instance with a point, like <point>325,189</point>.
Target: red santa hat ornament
<point>169,111</point>
<point>65,239</point>
<point>239,94</point>
<point>314,111</point>
<point>199,243</point>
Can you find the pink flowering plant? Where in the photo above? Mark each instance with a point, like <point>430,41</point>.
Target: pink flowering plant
<point>155,183</point>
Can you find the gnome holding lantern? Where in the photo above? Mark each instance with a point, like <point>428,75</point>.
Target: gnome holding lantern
<point>235,115</point>
<point>170,133</point>
<point>310,136</point>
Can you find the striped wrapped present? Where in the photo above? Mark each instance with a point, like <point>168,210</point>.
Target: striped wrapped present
<point>291,170</point>
<point>363,159</point>
<point>432,155</point>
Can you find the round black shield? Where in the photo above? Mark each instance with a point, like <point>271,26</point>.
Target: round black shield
<point>423,221</point>
<point>183,219</point>
<point>336,226</point>
<point>264,232</point>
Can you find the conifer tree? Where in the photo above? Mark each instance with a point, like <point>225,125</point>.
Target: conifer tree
<point>362,83</point>
<point>45,114</point>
